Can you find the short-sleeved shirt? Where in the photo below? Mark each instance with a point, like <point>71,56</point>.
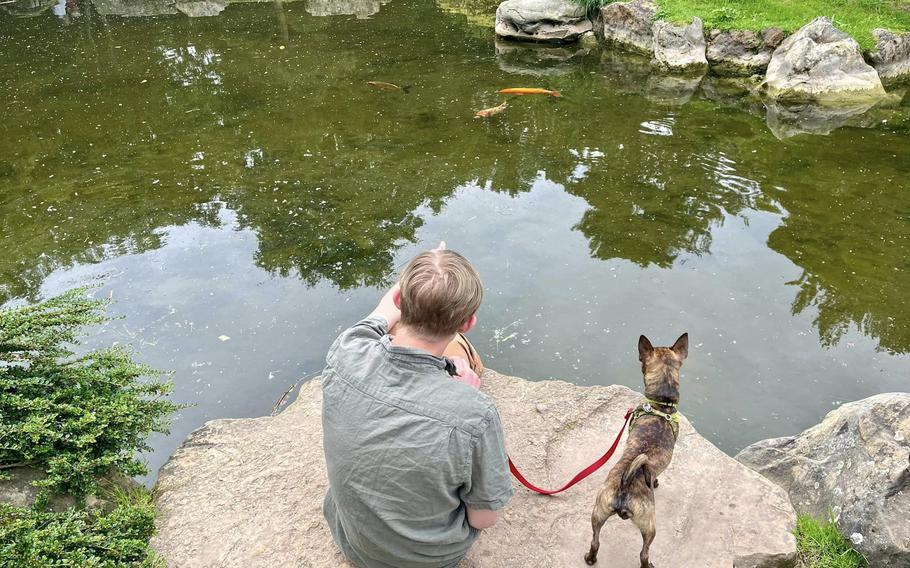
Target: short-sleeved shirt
<point>407,449</point>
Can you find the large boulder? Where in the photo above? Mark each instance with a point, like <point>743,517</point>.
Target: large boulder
<point>820,62</point>
<point>679,47</point>
<point>628,24</point>
<point>856,464</point>
<point>738,51</point>
<point>891,57</point>
<point>248,493</point>
<point>549,21</point>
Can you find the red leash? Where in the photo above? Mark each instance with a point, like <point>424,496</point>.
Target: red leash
<point>581,474</point>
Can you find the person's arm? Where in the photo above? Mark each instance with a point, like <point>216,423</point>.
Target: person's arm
<point>387,308</point>
<point>482,518</point>
<point>489,486</point>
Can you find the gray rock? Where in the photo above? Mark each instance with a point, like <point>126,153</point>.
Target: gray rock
<point>628,24</point>
<point>855,462</point>
<point>891,57</point>
<point>548,21</point>
<point>773,37</point>
<point>201,8</point>
<point>679,47</point>
<point>248,493</point>
<point>20,491</point>
<point>820,62</point>
<point>739,52</point>
<point>135,8</point>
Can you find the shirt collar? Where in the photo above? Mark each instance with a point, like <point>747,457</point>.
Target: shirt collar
<point>411,354</point>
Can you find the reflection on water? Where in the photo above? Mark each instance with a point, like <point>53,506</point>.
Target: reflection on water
<point>358,8</point>
<point>236,175</point>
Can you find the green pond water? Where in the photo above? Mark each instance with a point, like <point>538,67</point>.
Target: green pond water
<point>236,177</point>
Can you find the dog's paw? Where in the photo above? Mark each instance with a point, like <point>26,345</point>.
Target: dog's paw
<point>590,559</point>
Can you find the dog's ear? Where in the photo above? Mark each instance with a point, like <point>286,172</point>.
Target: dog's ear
<point>644,348</point>
<point>681,347</point>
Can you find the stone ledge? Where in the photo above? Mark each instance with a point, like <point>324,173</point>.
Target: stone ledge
<point>249,492</point>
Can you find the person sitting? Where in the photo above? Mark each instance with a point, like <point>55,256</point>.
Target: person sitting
<point>415,452</point>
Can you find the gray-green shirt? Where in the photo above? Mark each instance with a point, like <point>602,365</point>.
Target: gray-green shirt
<point>407,448</point>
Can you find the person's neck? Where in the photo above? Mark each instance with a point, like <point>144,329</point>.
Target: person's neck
<point>405,337</point>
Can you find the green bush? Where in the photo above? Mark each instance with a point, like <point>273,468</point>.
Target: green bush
<point>34,539</point>
<point>77,418</point>
<point>821,545</point>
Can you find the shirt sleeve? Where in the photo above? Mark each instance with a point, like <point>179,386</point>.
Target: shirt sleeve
<point>490,484</point>
<point>370,329</point>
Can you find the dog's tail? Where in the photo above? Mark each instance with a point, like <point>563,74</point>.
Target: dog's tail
<point>621,501</point>
<point>640,461</point>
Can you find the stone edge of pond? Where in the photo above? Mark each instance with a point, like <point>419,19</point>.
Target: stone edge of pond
<point>249,492</point>
<point>635,26</point>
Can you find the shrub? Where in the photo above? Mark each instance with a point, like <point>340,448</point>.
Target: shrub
<point>31,539</point>
<point>76,417</point>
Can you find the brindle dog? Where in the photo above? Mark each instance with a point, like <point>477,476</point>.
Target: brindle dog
<point>629,488</point>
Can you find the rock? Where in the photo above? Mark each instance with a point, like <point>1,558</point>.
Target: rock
<point>855,462</point>
<point>20,491</point>
<point>679,47</point>
<point>200,8</point>
<point>628,24</point>
<point>891,57</point>
<point>820,62</point>
<point>739,52</point>
<point>134,8</point>
<point>548,21</point>
<point>773,37</point>
<point>249,492</point>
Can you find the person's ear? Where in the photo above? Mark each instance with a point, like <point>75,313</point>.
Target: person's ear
<point>396,298</point>
<point>469,325</point>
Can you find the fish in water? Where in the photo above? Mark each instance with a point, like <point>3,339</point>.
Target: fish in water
<point>388,86</point>
<point>488,112</point>
<point>529,91</point>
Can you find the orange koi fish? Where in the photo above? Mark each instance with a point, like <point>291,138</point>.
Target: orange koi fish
<point>529,91</point>
<point>488,112</point>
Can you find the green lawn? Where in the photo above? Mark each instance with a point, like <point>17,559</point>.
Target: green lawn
<point>856,17</point>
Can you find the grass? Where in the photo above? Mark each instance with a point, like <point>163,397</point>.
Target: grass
<point>856,17</point>
<point>821,545</point>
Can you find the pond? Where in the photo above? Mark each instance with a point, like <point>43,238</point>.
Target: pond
<point>242,194</point>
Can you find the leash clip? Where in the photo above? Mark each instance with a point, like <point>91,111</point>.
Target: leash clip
<point>647,407</point>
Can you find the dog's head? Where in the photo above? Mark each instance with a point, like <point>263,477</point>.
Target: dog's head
<point>660,367</point>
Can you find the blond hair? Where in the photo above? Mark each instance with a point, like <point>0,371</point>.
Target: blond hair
<point>440,291</point>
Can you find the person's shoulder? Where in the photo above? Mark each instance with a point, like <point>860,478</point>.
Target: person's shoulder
<point>352,340</point>
<point>475,408</point>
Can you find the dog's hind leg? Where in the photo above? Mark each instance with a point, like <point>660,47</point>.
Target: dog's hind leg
<point>645,520</point>
<point>598,518</point>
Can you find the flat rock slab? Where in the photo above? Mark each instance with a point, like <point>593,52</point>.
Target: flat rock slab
<point>249,492</point>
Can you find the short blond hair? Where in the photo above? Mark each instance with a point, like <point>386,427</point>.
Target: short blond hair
<point>440,291</point>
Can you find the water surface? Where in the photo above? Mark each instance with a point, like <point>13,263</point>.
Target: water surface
<point>235,177</point>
